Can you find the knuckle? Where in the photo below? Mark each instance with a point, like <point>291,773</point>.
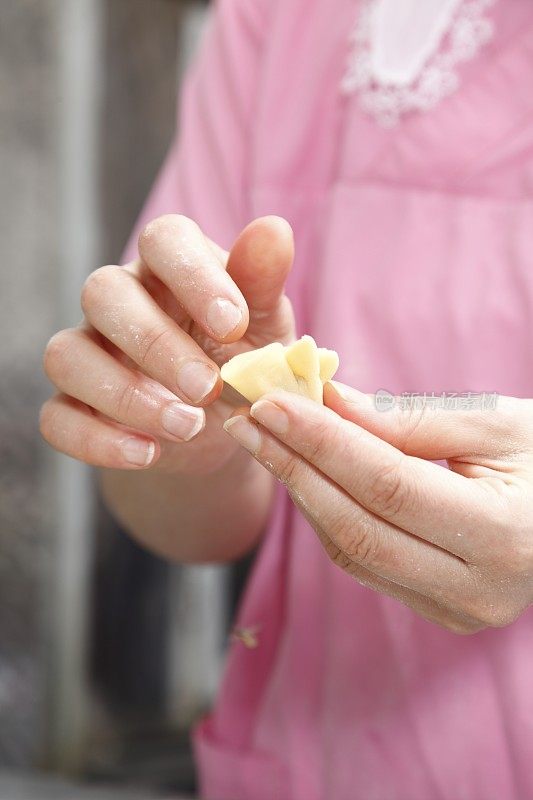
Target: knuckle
<point>98,285</point>
<point>494,616</point>
<point>452,620</point>
<point>88,447</point>
<point>322,441</point>
<point>411,419</point>
<point>500,426</point>
<point>510,553</point>
<point>151,344</point>
<point>159,226</point>
<point>519,536</point>
<point>505,617</point>
<point>287,472</point>
<point>491,611</point>
<point>84,443</point>
<point>388,495</point>
<point>358,539</point>
<point>46,421</point>
<point>517,558</point>
<point>505,421</point>
<point>127,397</point>
<point>56,353</point>
<point>51,421</point>
<point>80,443</point>
<point>337,556</point>
<point>463,627</point>
<point>361,547</point>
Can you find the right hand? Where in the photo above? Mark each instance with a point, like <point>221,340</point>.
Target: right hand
<point>138,380</point>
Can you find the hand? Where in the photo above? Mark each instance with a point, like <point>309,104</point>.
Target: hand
<point>138,379</point>
<point>456,545</point>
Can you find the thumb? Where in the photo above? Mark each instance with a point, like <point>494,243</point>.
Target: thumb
<point>259,263</point>
<point>483,425</point>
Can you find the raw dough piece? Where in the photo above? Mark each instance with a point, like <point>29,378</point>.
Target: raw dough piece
<point>302,367</point>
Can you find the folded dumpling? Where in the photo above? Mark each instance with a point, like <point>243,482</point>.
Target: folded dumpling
<point>302,367</point>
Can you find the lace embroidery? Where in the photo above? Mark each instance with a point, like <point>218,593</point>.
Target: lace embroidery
<point>469,31</point>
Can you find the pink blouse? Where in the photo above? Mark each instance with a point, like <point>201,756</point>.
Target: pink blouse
<point>415,262</point>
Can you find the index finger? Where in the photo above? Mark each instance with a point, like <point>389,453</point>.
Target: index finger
<point>485,425</point>
<point>175,249</point>
<point>419,496</point>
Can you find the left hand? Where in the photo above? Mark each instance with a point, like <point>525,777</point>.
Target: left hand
<point>456,545</point>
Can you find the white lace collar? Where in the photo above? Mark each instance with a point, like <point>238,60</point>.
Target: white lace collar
<point>406,52</point>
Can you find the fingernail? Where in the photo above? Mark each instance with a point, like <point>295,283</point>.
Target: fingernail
<point>340,389</point>
<point>349,394</point>
<point>222,317</point>
<point>245,432</point>
<point>138,452</point>
<point>182,421</point>
<point>196,380</point>
<point>271,416</point>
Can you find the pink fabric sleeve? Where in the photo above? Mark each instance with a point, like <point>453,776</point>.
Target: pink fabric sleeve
<point>204,175</point>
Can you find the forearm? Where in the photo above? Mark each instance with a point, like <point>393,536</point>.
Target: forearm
<point>191,518</point>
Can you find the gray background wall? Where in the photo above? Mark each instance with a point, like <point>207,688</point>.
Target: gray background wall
<point>87,89</point>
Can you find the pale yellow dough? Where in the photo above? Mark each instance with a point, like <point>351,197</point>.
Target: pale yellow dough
<point>302,367</point>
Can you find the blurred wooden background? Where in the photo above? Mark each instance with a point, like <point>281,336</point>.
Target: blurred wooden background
<point>101,667</point>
